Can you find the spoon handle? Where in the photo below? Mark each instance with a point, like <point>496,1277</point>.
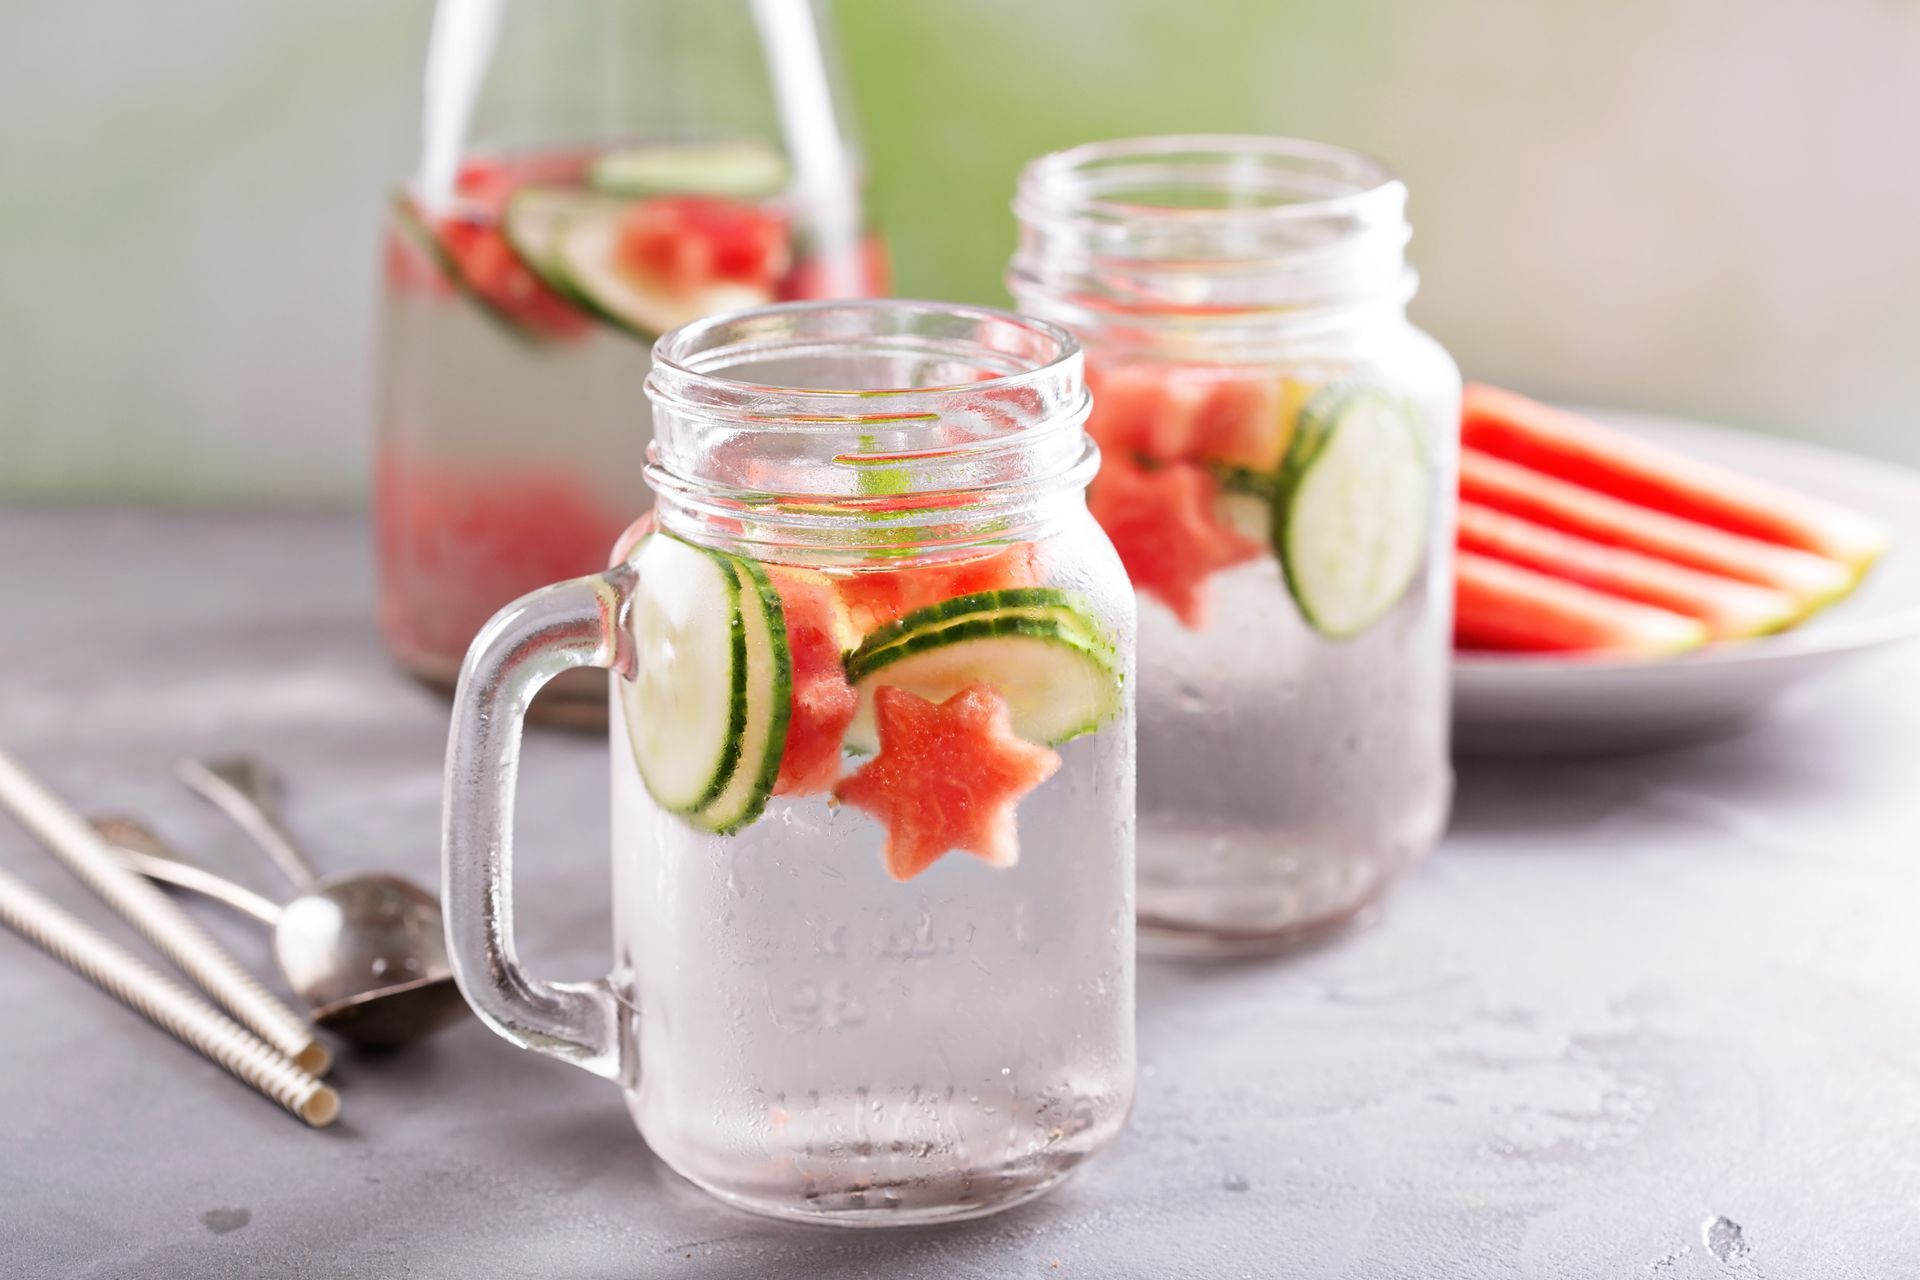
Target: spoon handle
<point>164,1002</point>
<point>146,853</point>
<point>242,787</point>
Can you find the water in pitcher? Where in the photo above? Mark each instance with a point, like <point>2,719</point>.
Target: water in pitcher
<point>516,331</point>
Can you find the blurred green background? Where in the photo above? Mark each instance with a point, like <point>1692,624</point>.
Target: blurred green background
<point>1699,206</point>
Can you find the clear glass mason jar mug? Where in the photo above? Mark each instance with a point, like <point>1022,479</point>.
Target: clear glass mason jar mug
<point>591,175</point>
<point>1278,458</point>
<point>872,740</point>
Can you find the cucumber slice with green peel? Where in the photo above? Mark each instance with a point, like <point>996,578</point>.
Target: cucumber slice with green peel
<point>534,219</point>
<point>687,704</point>
<point>586,256</point>
<point>1026,602</point>
<point>412,223</point>
<point>1058,681</point>
<point>1351,509</point>
<point>744,170</point>
<point>769,705</point>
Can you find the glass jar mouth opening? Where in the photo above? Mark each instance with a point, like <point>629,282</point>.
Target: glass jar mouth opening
<point>1193,180</point>
<point>825,421</point>
<point>1216,230</point>
<point>873,352</point>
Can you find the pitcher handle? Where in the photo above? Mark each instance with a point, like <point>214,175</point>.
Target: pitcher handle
<point>580,623</point>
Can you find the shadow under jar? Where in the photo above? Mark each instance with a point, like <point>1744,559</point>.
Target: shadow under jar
<point>872,772</point>
<point>1278,459</point>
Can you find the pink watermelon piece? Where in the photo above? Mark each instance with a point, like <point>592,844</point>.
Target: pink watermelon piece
<point>1731,609</point>
<point>818,632</point>
<point>1565,445</point>
<point>1163,522</point>
<point>691,242</point>
<point>488,265</point>
<point>875,597</point>
<point>1503,606</point>
<point>1811,580</point>
<point>457,542</point>
<point>809,276</point>
<point>1189,413</point>
<point>1243,419</point>
<point>1139,410</point>
<point>949,775</point>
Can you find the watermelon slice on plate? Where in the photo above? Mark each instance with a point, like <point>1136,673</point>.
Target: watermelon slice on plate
<point>1731,609</point>
<point>1509,702</point>
<point>949,776</point>
<point>1503,606</point>
<point>1566,445</point>
<point>1813,581</point>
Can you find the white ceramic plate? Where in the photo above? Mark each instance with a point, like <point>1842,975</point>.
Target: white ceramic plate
<point>1509,705</point>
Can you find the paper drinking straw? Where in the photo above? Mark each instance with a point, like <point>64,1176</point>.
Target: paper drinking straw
<point>824,178</point>
<point>157,917</point>
<point>164,1002</point>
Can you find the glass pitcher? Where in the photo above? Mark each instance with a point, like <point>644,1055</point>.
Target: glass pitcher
<point>872,744</point>
<point>1278,460</point>
<point>591,176</point>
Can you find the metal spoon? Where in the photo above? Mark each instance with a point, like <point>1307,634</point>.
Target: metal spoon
<point>367,951</point>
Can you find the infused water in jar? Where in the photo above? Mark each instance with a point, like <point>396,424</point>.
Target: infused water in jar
<point>872,772</point>
<point>1278,449</point>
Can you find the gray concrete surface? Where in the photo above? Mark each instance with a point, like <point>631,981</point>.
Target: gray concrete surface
<point>1655,1017</point>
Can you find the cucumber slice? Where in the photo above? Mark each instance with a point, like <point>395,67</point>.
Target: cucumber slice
<point>413,223</point>
<point>534,219</point>
<point>1026,602</point>
<point>687,703</point>
<point>769,705</point>
<point>1351,510</point>
<point>743,169</point>
<point>1059,682</point>
<point>586,255</point>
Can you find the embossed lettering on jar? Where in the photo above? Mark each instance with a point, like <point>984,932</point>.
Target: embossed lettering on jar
<point>1278,477</point>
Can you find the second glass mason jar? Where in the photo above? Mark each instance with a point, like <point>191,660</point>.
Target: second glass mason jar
<point>1278,477</point>
<point>872,741</point>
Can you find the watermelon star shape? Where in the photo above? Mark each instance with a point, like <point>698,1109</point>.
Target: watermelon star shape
<point>1162,521</point>
<point>948,775</point>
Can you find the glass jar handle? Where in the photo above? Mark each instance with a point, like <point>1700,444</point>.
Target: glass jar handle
<point>581,623</point>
